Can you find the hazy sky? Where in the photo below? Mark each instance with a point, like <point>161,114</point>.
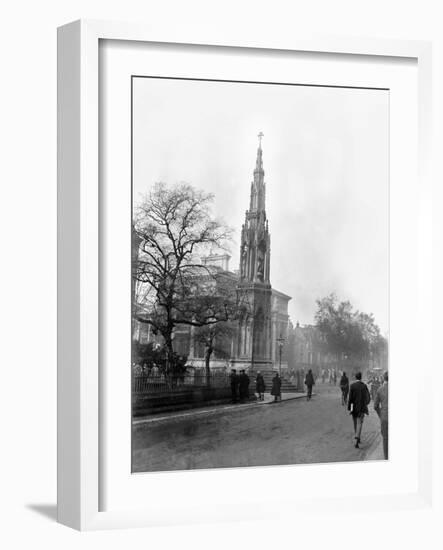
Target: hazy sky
<point>326,162</point>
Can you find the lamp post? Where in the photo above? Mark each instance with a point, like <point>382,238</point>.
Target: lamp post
<point>280,342</point>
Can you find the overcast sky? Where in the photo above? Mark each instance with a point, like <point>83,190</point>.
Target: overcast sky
<point>325,156</point>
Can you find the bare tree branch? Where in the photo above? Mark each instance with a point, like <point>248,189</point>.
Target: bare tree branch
<point>175,228</point>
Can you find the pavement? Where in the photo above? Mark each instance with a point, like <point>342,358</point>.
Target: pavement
<point>215,409</point>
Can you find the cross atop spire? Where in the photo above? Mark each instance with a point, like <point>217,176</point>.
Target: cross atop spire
<point>258,185</point>
<point>259,162</point>
<point>260,135</point>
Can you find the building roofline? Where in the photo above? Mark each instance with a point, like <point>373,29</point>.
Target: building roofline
<point>281,294</point>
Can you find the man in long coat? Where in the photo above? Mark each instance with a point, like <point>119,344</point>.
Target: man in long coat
<point>359,399</point>
<point>234,385</point>
<point>276,387</point>
<point>260,386</point>
<point>381,406</point>
<point>243,385</point>
<point>309,382</point>
<point>374,387</point>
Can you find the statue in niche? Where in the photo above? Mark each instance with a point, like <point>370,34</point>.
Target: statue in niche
<point>244,254</point>
<point>261,260</point>
<point>261,267</point>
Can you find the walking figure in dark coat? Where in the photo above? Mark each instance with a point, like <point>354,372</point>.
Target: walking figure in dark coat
<point>381,406</point>
<point>344,386</point>
<point>234,385</point>
<point>309,382</point>
<point>276,387</point>
<point>260,386</point>
<point>243,385</point>
<point>374,387</point>
<point>246,385</point>
<point>359,399</point>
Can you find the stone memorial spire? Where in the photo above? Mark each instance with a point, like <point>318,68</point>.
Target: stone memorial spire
<point>253,346</point>
<point>255,239</point>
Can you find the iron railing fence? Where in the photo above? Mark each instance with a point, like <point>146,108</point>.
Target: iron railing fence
<point>160,383</point>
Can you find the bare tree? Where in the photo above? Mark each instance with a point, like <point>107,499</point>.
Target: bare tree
<point>175,228</point>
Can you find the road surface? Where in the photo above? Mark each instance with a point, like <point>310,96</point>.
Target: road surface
<point>291,432</point>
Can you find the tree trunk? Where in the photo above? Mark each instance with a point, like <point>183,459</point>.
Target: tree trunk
<point>169,357</point>
<point>208,354</point>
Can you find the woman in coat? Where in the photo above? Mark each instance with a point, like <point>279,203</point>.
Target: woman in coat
<point>344,386</point>
<point>276,387</point>
<point>260,386</point>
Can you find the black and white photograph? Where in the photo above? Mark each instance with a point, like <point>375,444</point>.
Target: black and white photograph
<point>260,274</point>
<point>225,221</point>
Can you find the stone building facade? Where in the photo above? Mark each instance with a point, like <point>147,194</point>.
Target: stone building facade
<point>308,348</point>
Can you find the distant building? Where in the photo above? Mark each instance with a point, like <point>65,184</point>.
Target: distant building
<point>308,348</point>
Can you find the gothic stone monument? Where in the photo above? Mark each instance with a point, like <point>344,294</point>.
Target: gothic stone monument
<point>253,342</point>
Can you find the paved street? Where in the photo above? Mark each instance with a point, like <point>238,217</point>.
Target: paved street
<point>291,432</point>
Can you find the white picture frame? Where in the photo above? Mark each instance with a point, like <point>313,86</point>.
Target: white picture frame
<point>79,255</point>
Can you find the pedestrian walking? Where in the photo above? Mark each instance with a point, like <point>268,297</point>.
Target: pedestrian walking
<point>381,408</point>
<point>243,380</point>
<point>309,382</point>
<point>260,386</point>
<point>344,386</point>
<point>374,387</point>
<point>246,382</point>
<point>359,399</point>
<point>334,377</point>
<point>234,385</point>
<point>276,387</point>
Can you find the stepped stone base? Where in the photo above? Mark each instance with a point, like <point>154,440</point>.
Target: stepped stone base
<point>268,370</point>
<point>262,366</point>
